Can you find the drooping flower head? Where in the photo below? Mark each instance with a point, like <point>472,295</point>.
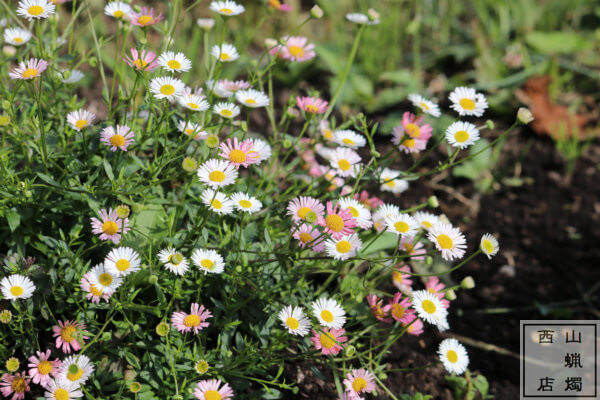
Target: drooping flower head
<point>145,60</point>
<point>120,138</point>
<point>69,335</point>
<point>29,70</point>
<point>194,321</point>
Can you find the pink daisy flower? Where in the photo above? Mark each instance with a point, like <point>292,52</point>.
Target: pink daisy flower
<point>93,294</point>
<point>434,286</point>
<point>110,226</point>
<point>358,382</point>
<point>16,385</point>
<point>211,389</point>
<point>195,320</point>
<point>295,48</point>
<point>239,153</point>
<point>379,312</point>
<point>145,17</point>
<point>338,222</point>
<point>401,279</point>
<point>42,369</point>
<point>308,236</point>
<point>312,105</point>
<point>414,328</point>
<point>69,335</point>
<point>300,207</point>
<point>121,139</point>
<point>29,70</point>
<point>416,251</point>
<point>399,309</point>
<point>329,340</point>
<point>144,61</point>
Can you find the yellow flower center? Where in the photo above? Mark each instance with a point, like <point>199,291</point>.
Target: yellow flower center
<point>18,40</point>
<point>245,204</point>
<point>413,130</point>
<point>327,316</point>
<point>428,306</point>
<point>174,64</point>
<point>410,143</point>
<point>123,265</point>
<point>117,140</point>
<point>75,376</point>
<point>467,104</point>
<point>30,73</point>
<point>397,311</point>
<point>226,11</point>
<point>105,279</point>
<point>81,123</point>
<point>461,136</point>
<point>167,90</point>
<point>292,323</point>
<point>225,56</point>
<point>61,394</point>
<point>145,20</point>
<point>452,356</point>
<point>445,242</point>
<point>18,385</point>
<point>140,64</point>
<point>192,320</point>
<point>66,333</point>
<point>95,291</point>
<point>35,10</point>
<point>401,226</point>
<point>311,108</point>
<point>44,367</point>
<point>118,14</point>
<point>212,395</point>
<point>305,237</point>
<point>327,340</point>
<point>237,156</point>
<point>250,101</point>
<point>343,246</point>
<point>110,227</point>
<point>206,263</point>
<point>193,106</point>
<point>334,222</point>
<point>488,246</point>
<point>344,165</point>
<point>216,204</point>
<point>216,176</point>
<point>359,384</point>
<point>354,212</point>
<point>296,51</point>
<point>16,291</point>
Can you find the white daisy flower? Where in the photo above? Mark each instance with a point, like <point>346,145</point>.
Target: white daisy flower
<point>489,245</point>
<point>427,106</point>
<point>426,220</point>
<point>228,8</point>
<point>104,281</point>
<point>16,287</point>
<point>165,87</point>
<point>76,369</point>
<point>80,119</point>
<point>217,202</point>
<point>345,161</point>
<point>252,98</point>
<point>208,261</point>
<point>217,173</point>
<point>174,62</point>
<point>429,308</point>
<point>227,110</point>
<point>294,320</point>
<point>329,313</point>
<point>402,224</point>
<point>343,248</point>
<point>35,9</point>
<point>193,102</point>
<point>454,356</point>
<point>390,181</point>
<point>466,101</point>
<point>448,240</point>
<point>361,19</point>
<point>262,148</point>
<point>349,138</point>
<point>192,129</point>
<point>62,389</point>
<point>122,261</point>
<point>17,36</point>
<point>117,9</point>
<point>173,260</point>
<point>246,203</point>
<point>70,76</point>
<point>360,213</point>
<point>462,134</point>
<point>224,53</point>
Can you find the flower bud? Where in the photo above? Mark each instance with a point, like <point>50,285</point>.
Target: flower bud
<point>524,115</point>
<point>205,23</point>
<point>316,12</point>
<point>467,283</point>
<point>433,202</point>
